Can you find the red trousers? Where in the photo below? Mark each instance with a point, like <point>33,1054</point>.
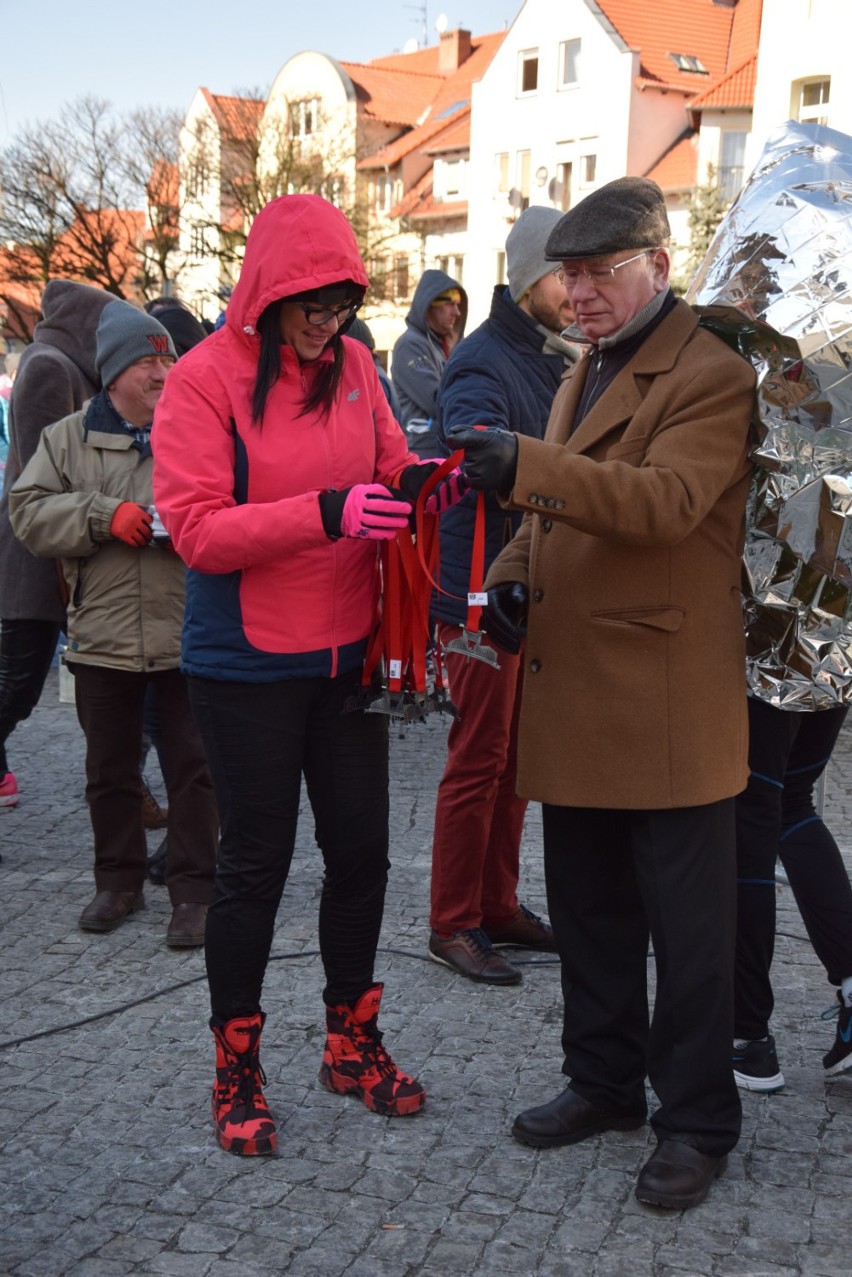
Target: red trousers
<point>478,817</point>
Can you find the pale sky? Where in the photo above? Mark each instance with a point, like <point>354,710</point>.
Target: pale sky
<point>137,55</point>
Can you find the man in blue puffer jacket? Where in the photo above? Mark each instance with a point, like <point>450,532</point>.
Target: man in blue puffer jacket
<point>504,375</point>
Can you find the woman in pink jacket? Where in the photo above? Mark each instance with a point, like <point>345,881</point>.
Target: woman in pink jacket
<point>275,455</point>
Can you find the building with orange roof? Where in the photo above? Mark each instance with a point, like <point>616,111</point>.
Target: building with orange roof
<point>587,91</point>
<point>394,139</point>
<point>218,192</point>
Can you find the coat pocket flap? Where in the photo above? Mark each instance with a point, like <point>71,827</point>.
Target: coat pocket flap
<point>659,618</point>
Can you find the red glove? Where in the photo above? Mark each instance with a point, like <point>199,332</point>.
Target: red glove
<point>132,523</point>
<point>365,510</point>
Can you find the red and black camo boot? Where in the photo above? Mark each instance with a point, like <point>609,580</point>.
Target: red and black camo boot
<point>354,1061</point>
<point>242,1120</point>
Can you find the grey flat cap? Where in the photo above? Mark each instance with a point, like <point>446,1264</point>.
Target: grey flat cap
<point>627,213</point>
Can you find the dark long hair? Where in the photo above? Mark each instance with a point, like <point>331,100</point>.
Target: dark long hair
<point>269,366</point>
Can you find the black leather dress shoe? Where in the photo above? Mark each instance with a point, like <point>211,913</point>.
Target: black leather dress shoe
<point>568,1119</point>
<point>676,1176</point>
<point>109,908</point>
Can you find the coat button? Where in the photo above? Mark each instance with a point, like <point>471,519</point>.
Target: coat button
<point>546,525</point>
<point>538,595</point>
<point>535,666</point>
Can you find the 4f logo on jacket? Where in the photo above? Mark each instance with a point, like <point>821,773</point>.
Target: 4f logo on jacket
<point>160,343</point>
<point>353,394</point>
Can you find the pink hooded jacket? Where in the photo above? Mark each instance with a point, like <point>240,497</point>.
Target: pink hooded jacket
<point>269,596</point>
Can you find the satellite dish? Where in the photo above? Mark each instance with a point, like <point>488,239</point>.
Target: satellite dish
<point>441,23</point>
<point>410,46</point>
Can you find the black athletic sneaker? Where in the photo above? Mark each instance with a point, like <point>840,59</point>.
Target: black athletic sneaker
<point>839,1058</point>
<point>756,1066</point>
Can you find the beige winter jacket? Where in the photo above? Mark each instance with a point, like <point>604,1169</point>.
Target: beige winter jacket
<point>125,607</point>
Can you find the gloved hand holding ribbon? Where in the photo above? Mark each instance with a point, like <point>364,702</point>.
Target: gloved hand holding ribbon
<point>490,456</point>
<point>447,493</point>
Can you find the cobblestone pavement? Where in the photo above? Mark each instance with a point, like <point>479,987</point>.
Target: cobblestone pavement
<point>109,1166</point>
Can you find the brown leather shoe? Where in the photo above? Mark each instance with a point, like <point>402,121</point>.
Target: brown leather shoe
<point>153,815</point>
<point>571,1118</point>
<point>109,908</point>
<point>469,953</point>
<point>186,928</point>
<point>677,1176</point>
<point>525,931</point>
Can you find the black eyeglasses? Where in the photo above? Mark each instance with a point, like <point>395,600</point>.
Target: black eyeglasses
<point>319,315</point>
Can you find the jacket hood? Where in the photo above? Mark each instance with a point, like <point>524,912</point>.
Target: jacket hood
<point>297,242</point>
<point>70,319</point>
<point>433,282</point>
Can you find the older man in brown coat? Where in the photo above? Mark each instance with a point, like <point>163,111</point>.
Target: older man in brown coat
<point>625,577</point>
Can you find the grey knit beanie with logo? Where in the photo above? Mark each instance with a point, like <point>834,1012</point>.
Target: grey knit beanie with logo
<point>124,336</point>
<point>525,260</point>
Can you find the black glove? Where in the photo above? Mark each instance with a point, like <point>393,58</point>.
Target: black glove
<point>490,456</point>
<point>414,477</point>
<point>504,617</point>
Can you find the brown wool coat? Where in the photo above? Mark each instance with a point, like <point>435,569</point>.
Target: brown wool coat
<point>634,693</point>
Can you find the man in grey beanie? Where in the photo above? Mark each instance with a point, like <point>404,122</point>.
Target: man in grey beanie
<point>624,583</point>
<point>504,376</point>
<point>85,498</point>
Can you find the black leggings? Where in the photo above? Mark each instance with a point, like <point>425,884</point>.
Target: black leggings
<point>260,739</point>
<point>776,817</point>
<point>26,650</point>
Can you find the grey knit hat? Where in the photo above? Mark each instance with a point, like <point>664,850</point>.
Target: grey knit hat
<point>126,335</point>
<point>525,244</point>
<point>627,213</point>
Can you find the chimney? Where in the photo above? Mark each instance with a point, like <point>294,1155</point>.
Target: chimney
<point>454,49</point>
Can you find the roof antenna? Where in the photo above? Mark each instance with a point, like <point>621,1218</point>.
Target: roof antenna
<point>422,10</point>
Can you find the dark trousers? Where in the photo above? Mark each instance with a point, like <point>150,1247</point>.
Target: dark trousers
<point>614,877</point>
<point>479,817</point>
<point>260,739</point>
<point>110,707</point>
<point>777,818</point>
<point>26,651</point>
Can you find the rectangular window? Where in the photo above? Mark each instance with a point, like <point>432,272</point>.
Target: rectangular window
<point>813,101</point>
<point>528,71</point>
<point>383,194</point>
<point>500,267</point>
<point>522,180</point>
<point>501,171</point>
<point>304,117</point>
<point>569,63</point>
<point>400,279</point>
<point>198,242</point>
<point>457,271</point>
<point>452,179</point>
<point>589,164</point>
<point>565,178</point>
<point>731,162</point>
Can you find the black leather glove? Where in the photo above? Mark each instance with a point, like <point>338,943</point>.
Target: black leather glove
<point>504,617</point>
<point>490,456</point>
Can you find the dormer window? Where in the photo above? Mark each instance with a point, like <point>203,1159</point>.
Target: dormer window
<point>687,62</point>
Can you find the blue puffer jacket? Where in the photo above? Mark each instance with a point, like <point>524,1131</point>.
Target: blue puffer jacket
<point>503,375</point>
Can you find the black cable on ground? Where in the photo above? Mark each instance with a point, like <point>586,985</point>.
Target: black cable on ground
<point>196,979</point>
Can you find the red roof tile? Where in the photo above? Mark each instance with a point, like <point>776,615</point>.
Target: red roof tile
<point>432,131</point>
<point>694,28</point>
<point>734,89</point>
<point>392,96</point>
<point>238,118</point>
<point>677,168</point>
